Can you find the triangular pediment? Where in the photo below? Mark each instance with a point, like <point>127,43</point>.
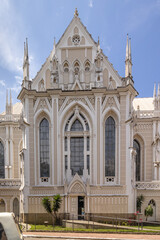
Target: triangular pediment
<point>76,28</point>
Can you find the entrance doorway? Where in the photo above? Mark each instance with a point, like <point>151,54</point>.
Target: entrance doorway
<point>80,207</point>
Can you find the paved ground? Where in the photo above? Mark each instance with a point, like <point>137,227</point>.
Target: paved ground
<point>68,236</point>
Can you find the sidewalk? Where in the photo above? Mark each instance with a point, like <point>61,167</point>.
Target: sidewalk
<point>92,236</point>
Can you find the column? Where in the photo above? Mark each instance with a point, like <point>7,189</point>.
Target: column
<point>7,155</point>
<point>11,153</point>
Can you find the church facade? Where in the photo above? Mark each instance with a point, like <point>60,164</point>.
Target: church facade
<point>79,131</point>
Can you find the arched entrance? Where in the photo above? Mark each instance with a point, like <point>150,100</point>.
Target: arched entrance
<point>77,198</point>
<point>2,205</point>
<point>16,207</point>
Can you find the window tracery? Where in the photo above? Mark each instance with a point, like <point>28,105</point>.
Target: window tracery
<point>87,66</point>
<point>76,68</point>
<point>44,148</point>
<point>66,67</point>
<point>76,39</point>
<point>136,145</point>
<point>2,163</point>
<point>110,147</point>
<point>76,144</point>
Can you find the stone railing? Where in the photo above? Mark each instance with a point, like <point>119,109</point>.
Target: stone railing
<point>16,183</point>
<point>5,118</point>
<point>144,113</point>
<point>148,185</point>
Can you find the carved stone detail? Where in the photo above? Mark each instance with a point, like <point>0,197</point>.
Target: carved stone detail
<point>77,188</point>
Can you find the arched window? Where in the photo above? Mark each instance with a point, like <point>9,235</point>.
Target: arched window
<point>110,147</point>
<point>76,68</point>
<point>87,66</point>
<point>44,148</point>
<point>136,145</point>
<point>16,207</point>
<point>77,145</point>
<point>2,167</point>
<point>66,67</point>
<point>2,205</point>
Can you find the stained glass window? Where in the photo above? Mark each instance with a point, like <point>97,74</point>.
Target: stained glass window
<point>136,145</point>
<point>110,147</point>
<point>44,148</point>
<point>2,167</point>
<point>77,155</point>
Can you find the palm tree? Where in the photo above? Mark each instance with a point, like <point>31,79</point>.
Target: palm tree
<point>140,200</point>
<point>52,206</point>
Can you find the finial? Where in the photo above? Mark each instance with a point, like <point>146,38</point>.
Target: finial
<point>26,48</point>
<point>99,45</point>
<point>76,13</point>
<point>127,49</point>
<point>158,90</point>
<point>6,96</point>
<point>154,92</point>
<point>130,57</point>
<point>10,98</point>
<point>98,40</point>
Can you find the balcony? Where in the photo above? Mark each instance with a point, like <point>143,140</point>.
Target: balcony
<point>10,183</point>
<point>148,185</point>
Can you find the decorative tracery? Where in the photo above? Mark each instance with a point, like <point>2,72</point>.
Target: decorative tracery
<point>44,148</point>
<point>2,164</point>
<point>76,144</point>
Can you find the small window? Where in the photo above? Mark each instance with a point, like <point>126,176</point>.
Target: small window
<point>76,68</point>
<point>87,67</point>
<point>66,68</point>
<point>98,78</point>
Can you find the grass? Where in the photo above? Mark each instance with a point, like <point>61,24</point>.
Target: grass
<point>62,229</point>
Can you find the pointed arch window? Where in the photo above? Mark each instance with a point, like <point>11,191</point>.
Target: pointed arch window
<point>76,68</point>
<point>2,163</point>
<point>136,145</point>
<point>76,144</point>
<point>44,148</point>
<point>87,66</point>
<point>16,207</point>
<point>66,67</point>
<point>110,147</point>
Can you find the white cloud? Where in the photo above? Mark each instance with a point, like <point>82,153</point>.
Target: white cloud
<point>2,83</point>
<point>90,3</point>
<point>10,32</point>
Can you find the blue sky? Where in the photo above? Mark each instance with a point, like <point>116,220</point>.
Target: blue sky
<point>111,20</point>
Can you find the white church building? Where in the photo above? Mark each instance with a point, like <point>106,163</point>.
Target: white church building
<point>79,131</point>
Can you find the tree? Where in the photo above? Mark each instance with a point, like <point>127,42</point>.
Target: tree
<point>52,206</point>
<point>140,200</point>
<point>148,211</point>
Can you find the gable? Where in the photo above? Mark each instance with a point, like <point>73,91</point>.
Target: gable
<point>76,58</point>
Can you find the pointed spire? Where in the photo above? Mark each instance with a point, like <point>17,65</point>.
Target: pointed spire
<point>154,92</point>
<point>27,49</point>
<point>76,13</point>
<point>158,92</point>
<point>6,97</point>
<point>10,98</point>
<point>26,61</point>
<point>127,49</point>
<point>98,45</point>
<point>128,61</point>
<point>54,45</point>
